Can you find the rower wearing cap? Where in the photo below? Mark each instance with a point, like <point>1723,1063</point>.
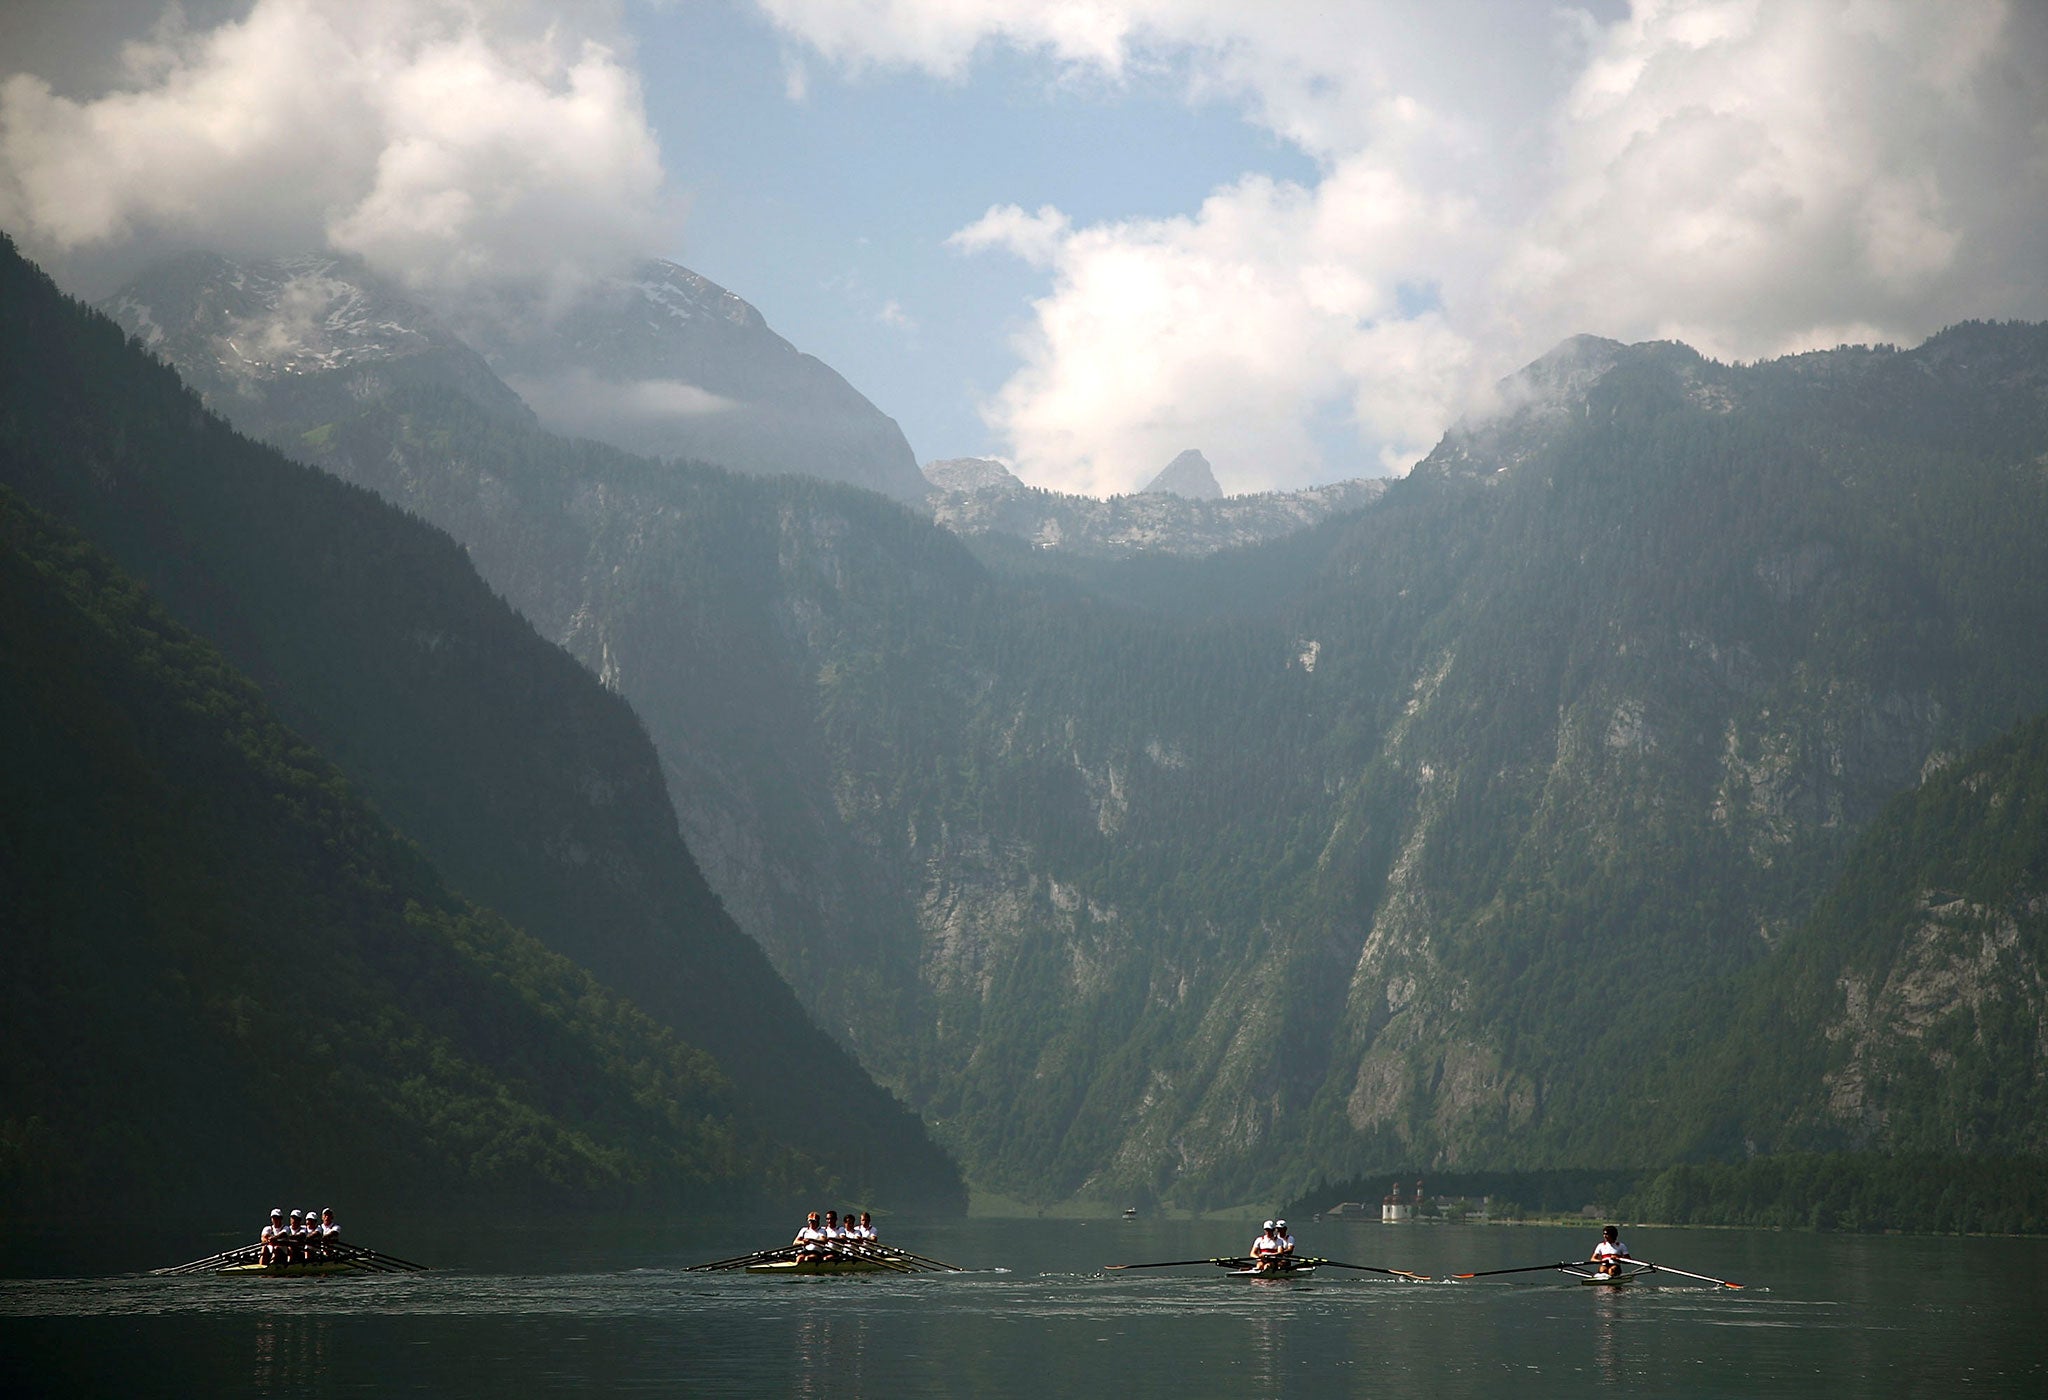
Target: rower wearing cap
<point>810,1241</point>
<point>1608,1254</point>
<point>309,1242</point>
<point>330,1233</point>
<point>1266,1248</point>
<point>1286,1240</point>
<point>295,1237</point>
<point>274,1240</point>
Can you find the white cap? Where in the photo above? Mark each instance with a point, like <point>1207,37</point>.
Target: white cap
<point>1267,1226</point>
<point>1279,1224</point>
<point>277,1210</point>
<point>296,1213</point>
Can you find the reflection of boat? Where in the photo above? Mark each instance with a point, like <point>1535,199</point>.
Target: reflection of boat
<point>825,1266</point>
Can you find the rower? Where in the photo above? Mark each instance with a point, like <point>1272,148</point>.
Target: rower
<point>1266,1248</point>
<point>295,1237</point>
<point>867,1230</point>
<point>833,1234</point>
<point>810,1241</point>
<point>849,1231</point>
<point>1608,1254</point>
<point>1286,1240</point>
<point>312,1247</point>
<point>330,1233</point>
<point>274,1241</point>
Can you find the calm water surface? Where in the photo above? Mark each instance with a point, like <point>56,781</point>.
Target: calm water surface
<point>600,1310</point>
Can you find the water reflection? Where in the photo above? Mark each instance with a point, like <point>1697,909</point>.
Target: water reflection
<point>831,1354</point>
<point>291,1352</point>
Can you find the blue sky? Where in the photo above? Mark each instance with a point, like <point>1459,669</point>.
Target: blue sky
<point>1082,235</point>
<point>831,213</point>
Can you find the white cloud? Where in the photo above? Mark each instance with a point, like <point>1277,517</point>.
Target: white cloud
<point>1751,177</point>
<point>443,140</point>
<point>1036,238</point>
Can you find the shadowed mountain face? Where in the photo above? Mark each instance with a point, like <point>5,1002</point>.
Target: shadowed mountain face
<point>530,787</point>
<point>1409,838</point>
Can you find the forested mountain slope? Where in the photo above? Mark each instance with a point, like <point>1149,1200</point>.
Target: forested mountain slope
<point>223,976</point>
<point>1413,839</point>
<point>529,786</point>
<point>1910,1012</point>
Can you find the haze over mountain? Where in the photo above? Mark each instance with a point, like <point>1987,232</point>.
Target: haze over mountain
<point>665,363</point>
<point>529,786</point>
<point>1344,856</point>
<point>977,498</point>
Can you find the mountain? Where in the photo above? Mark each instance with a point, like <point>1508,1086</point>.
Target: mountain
<point>297,339</point>
<point>224,975</point>
<point>662,363</point>
<point>1909,1012</point>
<point>981,500</point>
<point>1187,475</point>
<point>530,787</point>
<point>1415,837</point>
<point>669,365</point>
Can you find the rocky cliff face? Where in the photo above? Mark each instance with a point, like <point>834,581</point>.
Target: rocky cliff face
<point>1188,475</point>
<point>974,496</point>
<point>1585,713</point>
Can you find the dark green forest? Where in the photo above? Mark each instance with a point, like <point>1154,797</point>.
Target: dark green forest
<point>223,975</point>
<point>529,787</point>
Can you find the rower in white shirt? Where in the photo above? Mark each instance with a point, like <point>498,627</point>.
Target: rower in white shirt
<point>1266,1248</point>
<point>275,1241</point>
<point>1608,1254</point>
<point>810,1241</point>
<point>1286,1240</point>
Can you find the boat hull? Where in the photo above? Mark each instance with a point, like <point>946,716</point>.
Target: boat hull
<point>325,1266</point>
<point>1292,1271</point>
<point>787,1267</point>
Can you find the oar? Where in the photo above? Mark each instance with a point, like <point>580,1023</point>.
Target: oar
<point>225,1257</point>
<point>740,1261</point>
<point>1364,1268</point>
<point>939,1264</point>
<point>1667,1269</point>
<point>1530,1268</point>
<point>1177,1263</point>
<point>374,1258</point>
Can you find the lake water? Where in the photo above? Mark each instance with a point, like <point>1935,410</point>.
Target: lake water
<point>601,1310</point>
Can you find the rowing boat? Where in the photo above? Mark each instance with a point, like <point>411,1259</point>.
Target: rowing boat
<point>824,1266</point>
<point>324,1266</point>
<point>1277,1271</point>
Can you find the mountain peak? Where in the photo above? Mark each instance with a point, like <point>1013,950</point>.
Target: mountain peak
<point>970,474</point>
<point>1187,475</point>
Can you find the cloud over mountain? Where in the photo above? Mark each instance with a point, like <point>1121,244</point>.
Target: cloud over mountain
<point>1752,178</point>
<point>445,142</point>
